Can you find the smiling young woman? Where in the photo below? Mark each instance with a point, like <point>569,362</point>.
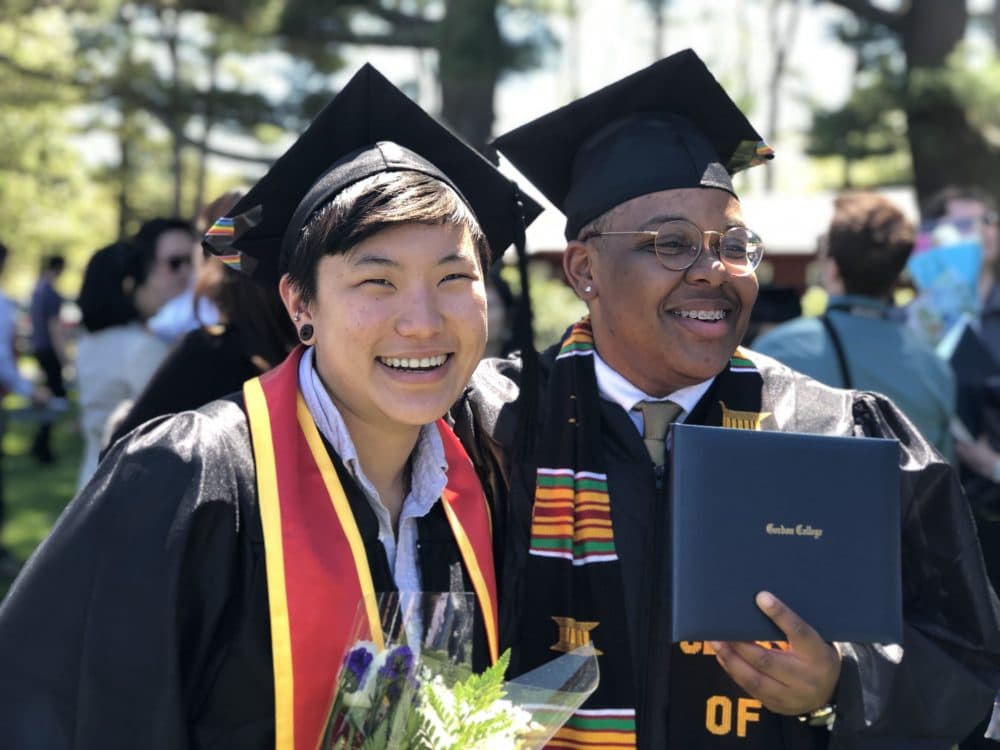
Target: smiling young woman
<point>201,590</point>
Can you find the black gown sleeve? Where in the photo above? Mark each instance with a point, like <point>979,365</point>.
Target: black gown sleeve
<point>945,682</point>
<point>106,637</point>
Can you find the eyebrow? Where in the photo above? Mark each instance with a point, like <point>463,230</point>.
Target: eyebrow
<point>655,221</point>
<point>382,261</point>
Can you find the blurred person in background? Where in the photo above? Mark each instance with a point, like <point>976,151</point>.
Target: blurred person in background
<point>862,341</point>
<point>975,210</point>
<point>172,242</point>
<point>189,310</point>
<point>123,285</point>
<point>11,381</point>
<point>48,344</point>
<point>253,335</point>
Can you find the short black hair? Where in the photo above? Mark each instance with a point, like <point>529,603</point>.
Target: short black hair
<point>53,263</point>
<point>149,234</point>
<point>870,240</point>
<point>367,207</point>
<point>109,281</point>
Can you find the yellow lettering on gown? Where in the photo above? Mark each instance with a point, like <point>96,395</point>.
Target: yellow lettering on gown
<point>719,715</point>
<point>747,710</point>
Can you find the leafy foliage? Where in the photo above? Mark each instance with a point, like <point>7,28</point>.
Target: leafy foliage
<point>471,715</point>
<point>914,68</point>
<point>554,305</point>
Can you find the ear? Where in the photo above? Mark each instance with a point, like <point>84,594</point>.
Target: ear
<point>578,265</point>
<point>830,276</point>
<point>291,296</point>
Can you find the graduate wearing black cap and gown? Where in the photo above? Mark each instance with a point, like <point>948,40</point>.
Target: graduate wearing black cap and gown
<point>587,556</point>
<point>200,591</point>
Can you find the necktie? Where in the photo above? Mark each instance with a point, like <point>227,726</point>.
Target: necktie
<point>656,416</point>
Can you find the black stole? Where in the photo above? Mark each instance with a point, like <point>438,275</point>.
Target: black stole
<point>572,581</point>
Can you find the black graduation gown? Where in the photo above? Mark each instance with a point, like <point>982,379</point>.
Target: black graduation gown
<point>142,621</point>
<point>951,669</point>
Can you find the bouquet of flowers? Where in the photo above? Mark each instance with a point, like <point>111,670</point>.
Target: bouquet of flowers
<point>418,690</point>
<point>944,267</point>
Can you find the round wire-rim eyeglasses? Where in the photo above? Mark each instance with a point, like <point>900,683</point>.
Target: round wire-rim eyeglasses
<point>678,244</point>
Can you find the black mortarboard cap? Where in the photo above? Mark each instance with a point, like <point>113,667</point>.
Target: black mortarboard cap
<point>368,128</point>
<point>670,125</point>
<point>776,304</point>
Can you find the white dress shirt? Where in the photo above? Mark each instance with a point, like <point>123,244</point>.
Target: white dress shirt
<point>614,387</point>
<point>428,479</point>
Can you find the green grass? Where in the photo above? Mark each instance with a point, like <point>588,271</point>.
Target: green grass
<point>34,493</point>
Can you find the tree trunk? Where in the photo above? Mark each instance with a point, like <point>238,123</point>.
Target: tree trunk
<point>995,25</point>
<point>126,131</point>
<point>470,58</point>
<point>945,148</point>
<point>126,137</point>
<point>209,122</point>
<point>782,38</point>
<point>659,28</point>
<point>168,23</point>
<point>124,167</point>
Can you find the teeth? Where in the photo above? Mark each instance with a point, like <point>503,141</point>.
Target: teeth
<point>702,314</point>
<point>412,363</point>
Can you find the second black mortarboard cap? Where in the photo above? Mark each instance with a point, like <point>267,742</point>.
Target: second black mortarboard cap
<point>369,127</point>
<point>670,125</point>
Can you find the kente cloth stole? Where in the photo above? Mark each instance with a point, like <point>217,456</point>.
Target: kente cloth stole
<point>317,571</point>
<point>573,590</point>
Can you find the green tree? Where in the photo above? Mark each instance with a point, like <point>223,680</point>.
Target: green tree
<point>868,132</point>
<point>472,52</point>
<point>945,144</point>
<point>48,200</point>
<point>152,72</point>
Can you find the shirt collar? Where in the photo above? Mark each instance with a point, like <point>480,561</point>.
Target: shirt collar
<point>614,387</point>
<point>429,467</point>
<point>866,307</point>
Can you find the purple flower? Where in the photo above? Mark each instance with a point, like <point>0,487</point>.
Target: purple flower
<point>356,665</point>
<point>396,669</point>
<point>397,664</point>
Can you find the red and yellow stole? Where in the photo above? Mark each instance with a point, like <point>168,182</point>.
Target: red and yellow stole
<point>317,571</point>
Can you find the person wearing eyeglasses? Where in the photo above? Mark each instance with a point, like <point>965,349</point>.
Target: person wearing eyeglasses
<point>184,311</point>
<point>167,243</point>
<point>660,251</point>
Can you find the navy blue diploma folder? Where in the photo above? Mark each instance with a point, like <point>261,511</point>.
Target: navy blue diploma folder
<point>813,519</point>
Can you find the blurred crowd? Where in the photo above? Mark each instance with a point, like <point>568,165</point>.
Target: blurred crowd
<point>415,463</point>
<point>937,356</point>
<point>157,327</point>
